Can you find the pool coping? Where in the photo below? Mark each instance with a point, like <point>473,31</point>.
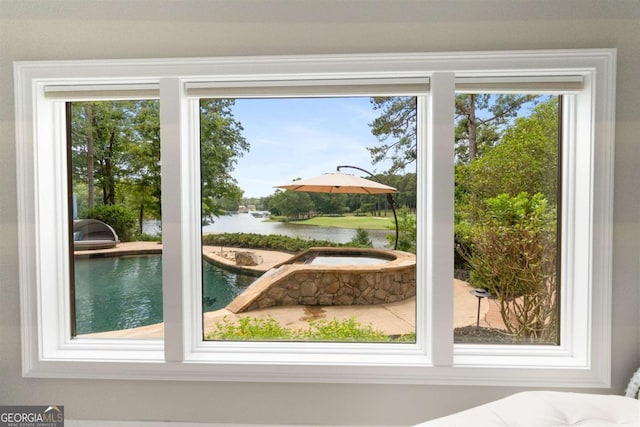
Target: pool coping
<point>214,254</point>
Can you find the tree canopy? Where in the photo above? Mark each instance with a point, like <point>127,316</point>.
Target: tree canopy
<point>115,150</point>
<point>479,118</point>
<point>526,159</point>
<point>221,144</point>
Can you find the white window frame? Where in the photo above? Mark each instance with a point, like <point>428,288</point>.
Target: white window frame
<point>582,359</point>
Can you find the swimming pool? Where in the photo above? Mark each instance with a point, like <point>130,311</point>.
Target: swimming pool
<point>114,293</point>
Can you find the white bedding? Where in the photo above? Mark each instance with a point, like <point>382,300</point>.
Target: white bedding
<point>546,409</point>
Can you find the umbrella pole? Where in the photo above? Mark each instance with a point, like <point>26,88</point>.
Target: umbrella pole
<point>395,219</point>
<point>389,198</point>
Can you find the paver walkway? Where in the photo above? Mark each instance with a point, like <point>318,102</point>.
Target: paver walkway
<point>393,319</point>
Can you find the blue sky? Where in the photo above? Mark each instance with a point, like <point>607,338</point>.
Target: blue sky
<point>301,138</point>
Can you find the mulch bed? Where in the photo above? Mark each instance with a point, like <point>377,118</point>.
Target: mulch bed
<point>472,335</point>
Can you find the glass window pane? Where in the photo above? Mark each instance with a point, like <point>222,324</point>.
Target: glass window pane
<point>506,219</point>
<point>271,191</point>
<point>114,181</point>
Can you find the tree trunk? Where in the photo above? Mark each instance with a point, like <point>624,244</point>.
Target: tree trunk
<point>110,198</point>
<point>140,217</point>
<point>473,144</point>
<point>90,156</point>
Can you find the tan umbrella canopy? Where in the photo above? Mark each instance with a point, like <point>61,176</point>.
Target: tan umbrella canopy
<point>344,183</point>
<point>339,183</point>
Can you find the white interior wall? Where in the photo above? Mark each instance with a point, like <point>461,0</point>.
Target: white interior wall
<point>79,29</point>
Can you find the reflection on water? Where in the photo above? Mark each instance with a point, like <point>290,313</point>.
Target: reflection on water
<point>220,287</point>
<point>117,293</point>
<point>126,292</point>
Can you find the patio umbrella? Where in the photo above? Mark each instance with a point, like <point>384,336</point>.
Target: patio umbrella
<point>343,183</point>
<point>338,182</point>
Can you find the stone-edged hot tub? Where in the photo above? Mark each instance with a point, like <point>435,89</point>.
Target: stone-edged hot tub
<point>333,276</point>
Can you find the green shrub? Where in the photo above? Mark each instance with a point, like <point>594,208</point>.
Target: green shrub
<point>267,328</point>
<point>462,243</point>
<point>513,255</point>
<point>361,239</point>
<point>121,219</point>
<point>342,330</point>
<point>266,241</point>
<point>144,237</point>
<point>250,328</point>
<point>407,232</point>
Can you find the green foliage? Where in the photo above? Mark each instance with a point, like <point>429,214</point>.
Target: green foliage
<point>395,128</point>
<point>250,328</point>
<point>525,160</point>
<point>115,148</point>
<point>479,120</point>
<point>270,242</point>
<point>292,204</point>
<point>407,232</point>
<point>221,144</point>
<point>341,330</point>
<point>121,219</point>
<point>116,155</point>
<point>143,237</point>
<point>462,242</point>
<point>139,187</point>
<point>513,255</point>
<point>409,338</point>
<point>268,329</point>
<point>361,239</point>
<point>329,204</point>
<point>99,133</point>
<point>407,186</point>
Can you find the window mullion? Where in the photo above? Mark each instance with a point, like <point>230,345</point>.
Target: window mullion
<point>172,132</point>
<point>439,222</point>
<point>192,221</point>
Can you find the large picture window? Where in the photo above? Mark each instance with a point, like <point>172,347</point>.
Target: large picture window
<point>477,234</point>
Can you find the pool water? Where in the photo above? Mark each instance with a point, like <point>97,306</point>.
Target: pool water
<point>126,292</point>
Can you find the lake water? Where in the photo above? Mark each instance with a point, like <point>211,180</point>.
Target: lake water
<point>246,223</point>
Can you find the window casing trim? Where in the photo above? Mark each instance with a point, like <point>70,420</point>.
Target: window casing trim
<point>48,353</point>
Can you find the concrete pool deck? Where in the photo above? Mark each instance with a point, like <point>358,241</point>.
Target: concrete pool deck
<point>396,318</point>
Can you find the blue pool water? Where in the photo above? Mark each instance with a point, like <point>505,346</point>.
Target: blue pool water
<point>126,292</point>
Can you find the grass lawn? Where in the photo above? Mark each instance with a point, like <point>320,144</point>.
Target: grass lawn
<point>351,221</point>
